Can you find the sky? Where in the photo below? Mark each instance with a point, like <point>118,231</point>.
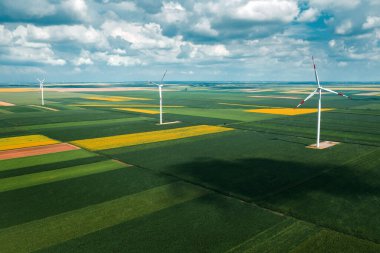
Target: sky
<point>216,40</point>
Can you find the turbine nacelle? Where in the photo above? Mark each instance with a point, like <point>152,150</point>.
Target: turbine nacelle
<point>41,82</point>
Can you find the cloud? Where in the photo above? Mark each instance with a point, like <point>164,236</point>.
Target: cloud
<point>17,49</point>
<point>371,22</point>
<point>77,9</point>
<point>83,59</point>
<point>344,28</point>
<point>78,33</point>
<point>172,12</point>
<point>139,36</point>
<point>117,60</point>
<point>309,15</point>
<point>253,11</point>
<point>41,54</point>
<point>228,37</point>
<point>267,10</point>
<point>203,27</point>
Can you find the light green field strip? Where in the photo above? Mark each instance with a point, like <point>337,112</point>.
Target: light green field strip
<point>5,111</point>
<point>73,124</point>
<point>230,114</point>
<point>24,162</point>
<point>56,229</point>
<point>13,183</point>
<point>279,238</point>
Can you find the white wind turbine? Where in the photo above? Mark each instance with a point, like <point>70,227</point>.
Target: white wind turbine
<point>160,85</point>
<point>42,90</point>
<point>319,91</point>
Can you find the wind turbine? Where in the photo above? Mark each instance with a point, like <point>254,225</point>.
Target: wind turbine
<point>160,85</point>
<point>42,90</point>
<point>318,91</point>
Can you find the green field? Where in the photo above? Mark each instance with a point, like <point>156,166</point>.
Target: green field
<point>254,189</point>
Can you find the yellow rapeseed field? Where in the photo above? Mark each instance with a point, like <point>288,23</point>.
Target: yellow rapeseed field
<point>116,99</point>
<point>139,110</point>
<point>148,137</point>
<point>17,89</point>
<point>25,141</point>
<point>287,111</point>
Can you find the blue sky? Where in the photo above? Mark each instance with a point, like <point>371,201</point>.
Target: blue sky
<point>256,40</point>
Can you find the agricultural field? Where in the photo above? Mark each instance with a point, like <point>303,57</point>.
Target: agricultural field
<point>93,171</point>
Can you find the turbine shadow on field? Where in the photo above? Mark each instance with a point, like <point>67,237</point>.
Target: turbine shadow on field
<point>259,179</point>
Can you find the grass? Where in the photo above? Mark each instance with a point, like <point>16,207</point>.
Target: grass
<point>329,242</point>
<point>207,224</point>
<point>73,224</point>
<point>44,200</point>
<point>12,183</point>
<point>72,124</point>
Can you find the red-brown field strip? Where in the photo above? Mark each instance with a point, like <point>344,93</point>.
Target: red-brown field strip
<point>2,103</point>
<point>39,150</point>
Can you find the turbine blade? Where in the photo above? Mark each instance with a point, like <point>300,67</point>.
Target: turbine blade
<point>315,71</point>
<point>163,76</point>
<point>337,93</point>
<point>154,83</point>
<point>307,98</point>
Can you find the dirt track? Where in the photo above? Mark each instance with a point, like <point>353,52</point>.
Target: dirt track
<point>40,150</point>
<point>2,103</point>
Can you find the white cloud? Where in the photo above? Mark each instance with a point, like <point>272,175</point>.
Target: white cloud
<point>77,8</point>
<point>253,10</point>
<point>204,27</point>
<point>172,12</point>
<point>267,10</point>
<point>117,60</point>
<point>342,64</point>
<point>201,51</point>
<point>214,50</point>
<point>332,43</point>
<point>344,28</point>
<point>5,36</point>
<point>78,33</point>
<point>83,59</point>
<point>140,36</point>
<point>309,15</point>
<point>18,49</point>
<point>43,55</point>
<point>371,22</point>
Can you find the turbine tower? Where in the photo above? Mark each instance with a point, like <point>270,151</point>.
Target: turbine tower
<point>160,85</point>
<point>319,92</point>
<point>42,90</point>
